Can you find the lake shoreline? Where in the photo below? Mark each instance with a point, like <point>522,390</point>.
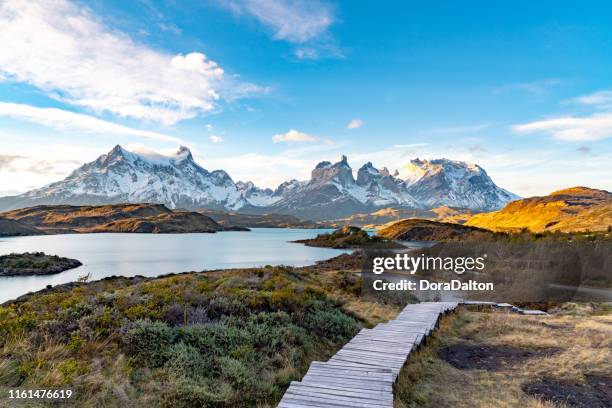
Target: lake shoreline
<point>150,255</point>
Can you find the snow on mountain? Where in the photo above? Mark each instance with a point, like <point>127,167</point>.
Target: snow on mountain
<point>333,192</point>
<point>122,176</point>
<point>434,183</point>
<point>177,181</point>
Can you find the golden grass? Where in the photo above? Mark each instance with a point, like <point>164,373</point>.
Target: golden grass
<point>428,381</point>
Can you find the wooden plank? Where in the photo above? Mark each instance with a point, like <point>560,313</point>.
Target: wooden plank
<point>361,374</point>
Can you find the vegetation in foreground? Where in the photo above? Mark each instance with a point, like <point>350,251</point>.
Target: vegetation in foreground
<point>220,339</point>
<point>35,263</point>
<point>349,237</point>
<point>509,360</point>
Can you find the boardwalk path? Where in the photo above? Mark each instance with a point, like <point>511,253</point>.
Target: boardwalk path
<point>362,373</point>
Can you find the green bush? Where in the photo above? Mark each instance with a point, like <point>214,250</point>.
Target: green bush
<point>184,360</point>
<point>149,342</point>
<point>330,323</point>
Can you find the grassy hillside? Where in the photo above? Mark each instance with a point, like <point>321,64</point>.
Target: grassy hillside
<point>576,209</point>
<point>144,218</point>
<point>221,339</point>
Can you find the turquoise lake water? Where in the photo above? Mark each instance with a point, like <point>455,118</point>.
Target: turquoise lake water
<point>105,255</point>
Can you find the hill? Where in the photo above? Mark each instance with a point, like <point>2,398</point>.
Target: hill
<point>384,216</point>
<point>138,218</point>
<point>575,209</point>
<point>13,228</point>
<point>427,230</point>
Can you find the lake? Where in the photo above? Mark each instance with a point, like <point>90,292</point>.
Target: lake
<point>105,255</point>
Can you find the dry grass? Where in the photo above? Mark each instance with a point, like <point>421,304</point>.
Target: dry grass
<point>428,381</point>
<point>371,312</point>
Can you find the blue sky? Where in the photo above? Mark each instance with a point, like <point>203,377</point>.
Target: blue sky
<point>265,89</point>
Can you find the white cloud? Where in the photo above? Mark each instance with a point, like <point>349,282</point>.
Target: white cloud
<point>209,127</point>
<point>600,99</point>
<point>572,128</point>
<point>355,124</point>
<point>62,119</point>
<point>294,136</point>
<point>66,51</point>
<point>296,21</point>
<point>216,139</point>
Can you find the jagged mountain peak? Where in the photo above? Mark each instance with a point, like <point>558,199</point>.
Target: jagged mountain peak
<point>419,168</point>
<point>176,180</point>
<point>343,161</point>
<point>339,172</point>
<point>439,182</point>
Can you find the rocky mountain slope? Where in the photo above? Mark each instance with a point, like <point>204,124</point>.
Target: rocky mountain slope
<point>570,210</point>
<point>143,218</point>
<point>177,181</point>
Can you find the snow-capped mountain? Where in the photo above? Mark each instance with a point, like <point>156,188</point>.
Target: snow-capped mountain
<point>179,182</point>
<point>434,183</point>
<point>333,192</point>
<point>122,176</point>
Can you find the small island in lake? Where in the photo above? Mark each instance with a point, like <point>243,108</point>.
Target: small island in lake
<point>35,263</point>
<point>349,237</point>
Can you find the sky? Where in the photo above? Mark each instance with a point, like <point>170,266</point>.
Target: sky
<point>265,89</point>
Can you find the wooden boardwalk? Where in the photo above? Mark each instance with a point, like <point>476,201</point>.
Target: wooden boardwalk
<point>362,373</point>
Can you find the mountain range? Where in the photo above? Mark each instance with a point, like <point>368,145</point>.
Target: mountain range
<point>177,181</point>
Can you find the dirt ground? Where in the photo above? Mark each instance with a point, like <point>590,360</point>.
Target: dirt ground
<point>497,359</point>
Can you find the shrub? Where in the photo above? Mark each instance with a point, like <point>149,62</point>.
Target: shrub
<point>71,368</point>
<point>330,323</point>
<point>150,342</point>
<point>220,306</point>
<point>184,360</point>
<point>187,393</point>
